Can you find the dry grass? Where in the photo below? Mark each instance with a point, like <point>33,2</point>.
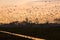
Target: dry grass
<point>39,12</point>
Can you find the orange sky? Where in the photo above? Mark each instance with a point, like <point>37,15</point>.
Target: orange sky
<point>8,2</point>
<point>43,8</point>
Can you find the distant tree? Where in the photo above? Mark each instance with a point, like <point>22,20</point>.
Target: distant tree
<point>36,21</point>
<point>57,20</point>
<point>47,22</point>
<point>15,23</point>
<point>28,21</point>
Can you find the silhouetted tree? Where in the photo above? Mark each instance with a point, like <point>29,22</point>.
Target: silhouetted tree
<point>28,21</point>
<point>15,23</point>
<point>57,20</point>
<point>36,21</point>
<point>47,22</point>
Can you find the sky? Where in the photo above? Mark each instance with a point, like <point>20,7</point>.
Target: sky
<point>10,2</point>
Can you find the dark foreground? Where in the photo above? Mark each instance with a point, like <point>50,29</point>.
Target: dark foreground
<point>45,31</point>
<point>4,36</point>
